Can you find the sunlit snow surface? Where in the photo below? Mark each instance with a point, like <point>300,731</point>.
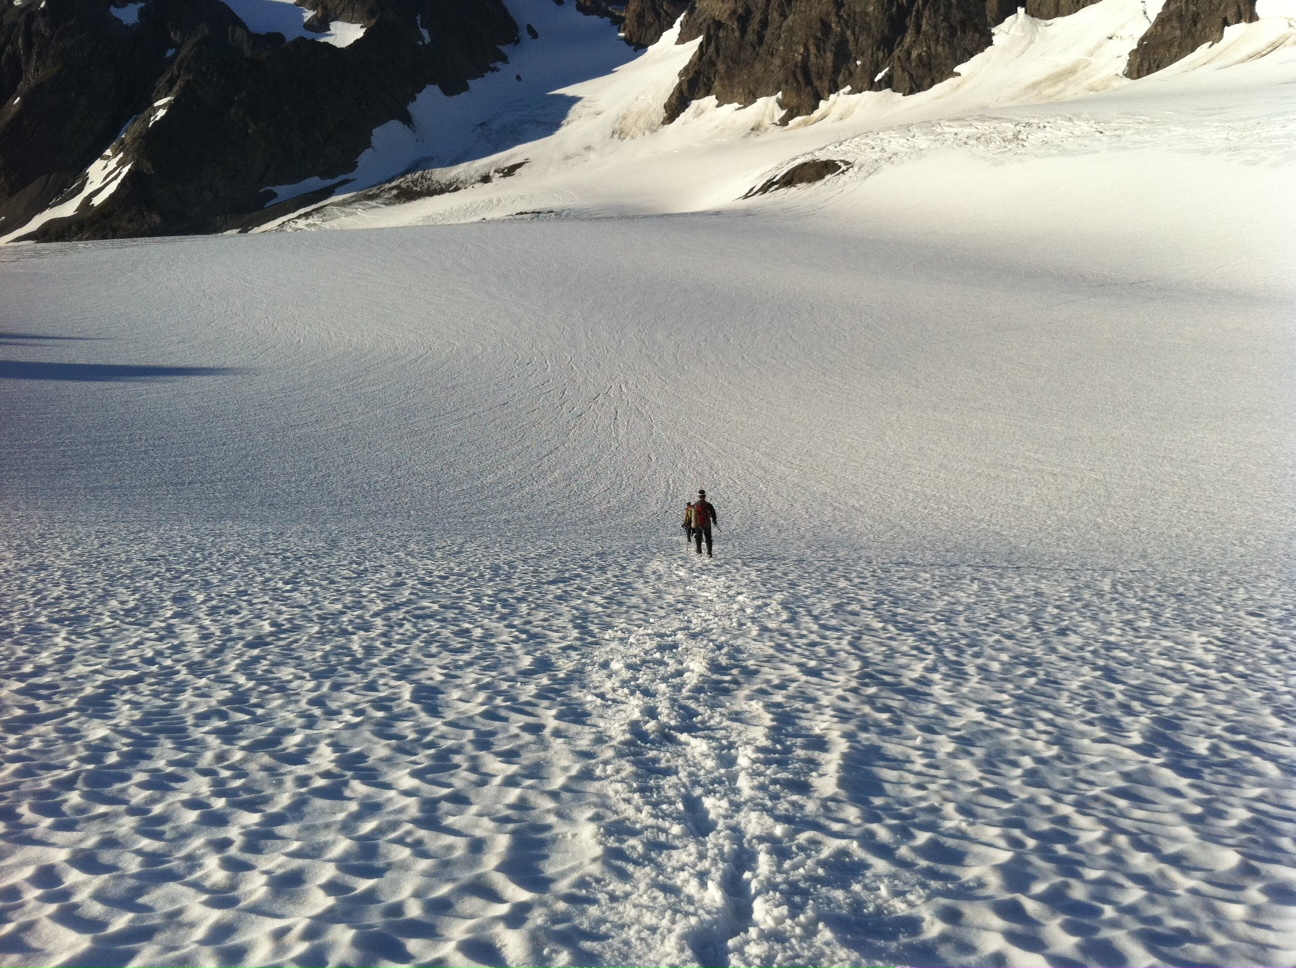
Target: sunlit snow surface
<point>347,618</point>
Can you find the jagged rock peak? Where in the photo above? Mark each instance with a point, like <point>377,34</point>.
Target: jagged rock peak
<point>1182,27</point>
<point>647,20</point>
<point>243,111</point>
<point>811,49</point>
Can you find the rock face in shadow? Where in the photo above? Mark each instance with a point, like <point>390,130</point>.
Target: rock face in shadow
<point>647,20</point>
<point>1182,27</point>
<point>1052,9</point>
<point>810,49</point>
<point>193,116</point>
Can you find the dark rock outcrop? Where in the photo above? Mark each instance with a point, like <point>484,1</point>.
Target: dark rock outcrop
<point>805,173</point>
<point>1182,27</point>
<point>325,12</point>
<point>810,49</point>
<point>426,184</point>
<point>242,111</point>
<point>1052,9</point>
<point>647,20</point>
<point>613,10</point>
<point>71,75</point>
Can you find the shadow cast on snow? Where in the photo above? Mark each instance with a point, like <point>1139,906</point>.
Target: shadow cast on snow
<point>105,372</point>
<point>35,339</point>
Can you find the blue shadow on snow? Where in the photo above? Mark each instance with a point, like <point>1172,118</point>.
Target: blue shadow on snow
<point>104,372</point>
<point>35,339</point>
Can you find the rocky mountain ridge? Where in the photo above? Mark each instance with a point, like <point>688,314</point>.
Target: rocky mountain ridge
<point>204,115</point>
<point>127,118</point>
<point>807,50</point>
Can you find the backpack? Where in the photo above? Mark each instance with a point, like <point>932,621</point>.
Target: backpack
<point>701,515</point>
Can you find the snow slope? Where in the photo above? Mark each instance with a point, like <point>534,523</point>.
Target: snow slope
<point>522,99</point>
<point>347,618</point>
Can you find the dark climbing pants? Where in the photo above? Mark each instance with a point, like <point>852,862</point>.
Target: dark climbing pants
<point>699,534</point>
